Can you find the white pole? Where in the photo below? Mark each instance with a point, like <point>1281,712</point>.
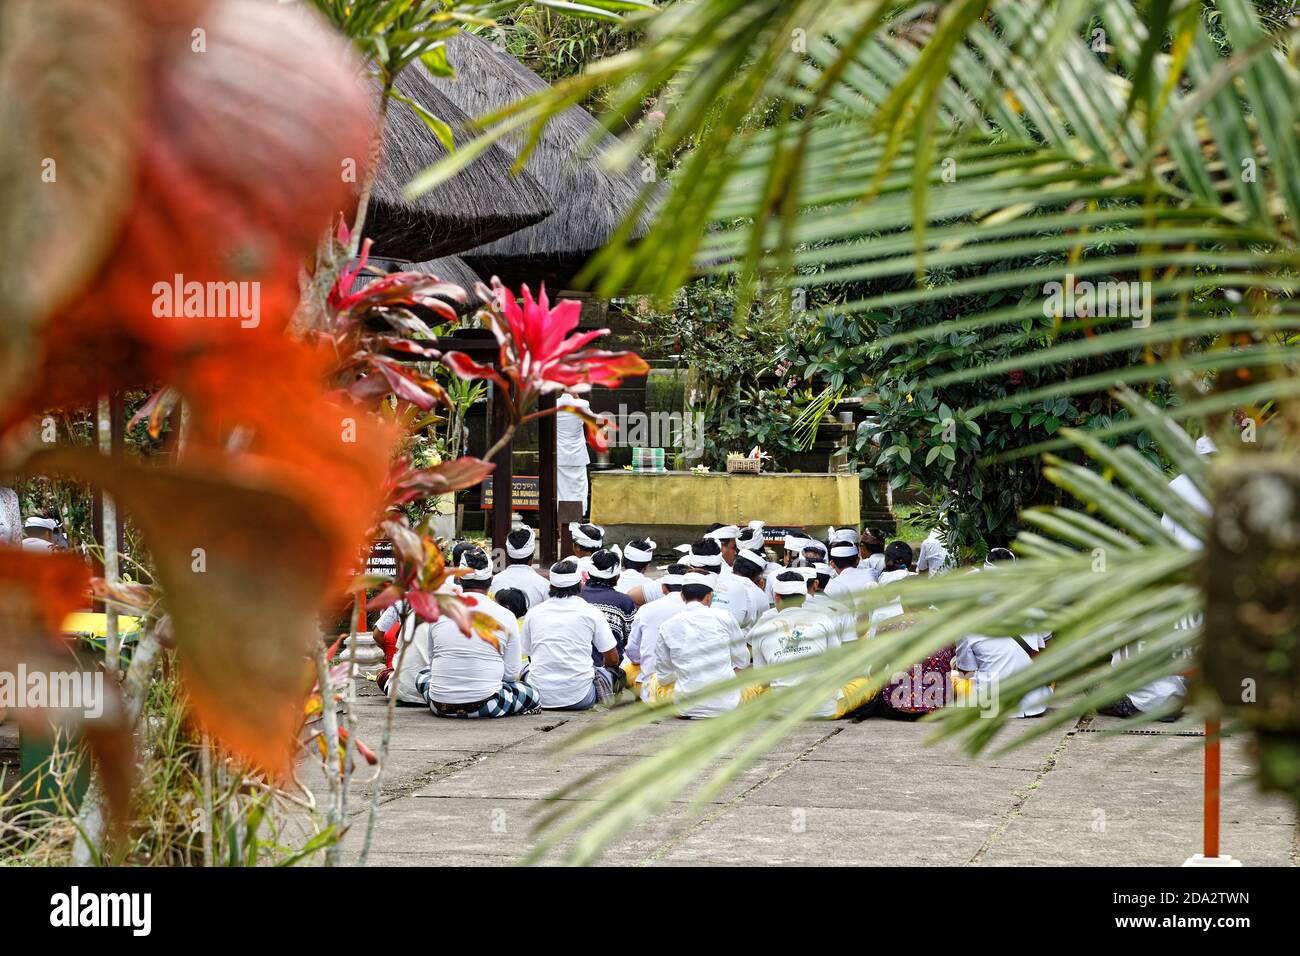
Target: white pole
<point>112,650</point>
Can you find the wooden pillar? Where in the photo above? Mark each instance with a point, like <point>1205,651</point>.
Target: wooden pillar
<point>1210,824</point>
<point>503,474</point>
<point>547,491</point>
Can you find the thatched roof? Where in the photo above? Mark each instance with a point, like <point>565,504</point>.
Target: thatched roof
<point>482,203</point>
<point>590,202</point>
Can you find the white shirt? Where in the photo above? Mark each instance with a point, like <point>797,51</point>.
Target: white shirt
<point>934,556</point>
<point>856,578</point>
<point>467,669</point>
<point>1182,486</point>
<point>754,596</point>
<point>417,654</point>
<point>699,646</point>
<point>645,634</point>
<point>846,588</point>
<point>535,587</point>
<point>882,614</point>
<point>390,616</point>
<point>791,635</point>
<point>992,659</point>
<point>875,565</point>
<point>732,596</point>
<point>1156,694</point>
<point>631,579</point>
<point>570,432</point>
<point>558,637</point>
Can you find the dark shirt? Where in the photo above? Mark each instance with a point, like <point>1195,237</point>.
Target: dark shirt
<point>617,607</point>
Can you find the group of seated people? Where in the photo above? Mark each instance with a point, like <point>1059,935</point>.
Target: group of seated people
<point>597,623</point>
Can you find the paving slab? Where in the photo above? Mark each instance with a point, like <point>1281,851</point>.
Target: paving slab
<point>1149,841</point>
<point>895,740</point>
<point>754,835</point>
<point>468,792</point>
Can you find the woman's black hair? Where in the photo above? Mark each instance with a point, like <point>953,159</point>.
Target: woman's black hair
<point>513,600</point>
<point>898,554</point>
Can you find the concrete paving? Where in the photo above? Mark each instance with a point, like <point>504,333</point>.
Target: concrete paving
<point>831,794</point>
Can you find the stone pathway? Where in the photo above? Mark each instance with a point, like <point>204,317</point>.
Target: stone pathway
<point>866,793</point>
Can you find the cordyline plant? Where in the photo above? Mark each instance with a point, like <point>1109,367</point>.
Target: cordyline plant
<point>538,354</point>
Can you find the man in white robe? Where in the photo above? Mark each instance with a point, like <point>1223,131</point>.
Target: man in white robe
<point>699,646</point>
<point>571,454</point>
<point>795,632</point>
<point>645,631</point>
<point>988,660</point>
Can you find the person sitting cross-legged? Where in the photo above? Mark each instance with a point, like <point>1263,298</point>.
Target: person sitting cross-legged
<point>986,660</point>
<point>466,675</point>
<point>558,638</point>
<point>796,632</point>
<point>640,663</point>
<point>601,592</point>
<point>698,646</point>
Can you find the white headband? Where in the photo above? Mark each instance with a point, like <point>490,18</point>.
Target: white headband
<point>565,580</point>
<point>725,533</point>
<point>789,587</point>
<point>633,553</point>
<point>476,574</point>
<point>579,537</point>
<point>808,573</point>
<point>822,568</point>
<point>707,578</point>
<point>795,543</point>
<point>756,560</point>
<point>815,545</point>
<point>683,549</point>
<point>1205,445</point>
<point>526,551</point>
<point>595,572</point>
<point>675,580</point>
<point>49,524</point>
<point>704,560</point>
<point>841,550</point>
<point>843,536</point>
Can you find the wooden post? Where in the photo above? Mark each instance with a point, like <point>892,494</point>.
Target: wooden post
<point>503,474</point>
<point>546,490</point>
<point>569,511</point>
<point>1212,767</point>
